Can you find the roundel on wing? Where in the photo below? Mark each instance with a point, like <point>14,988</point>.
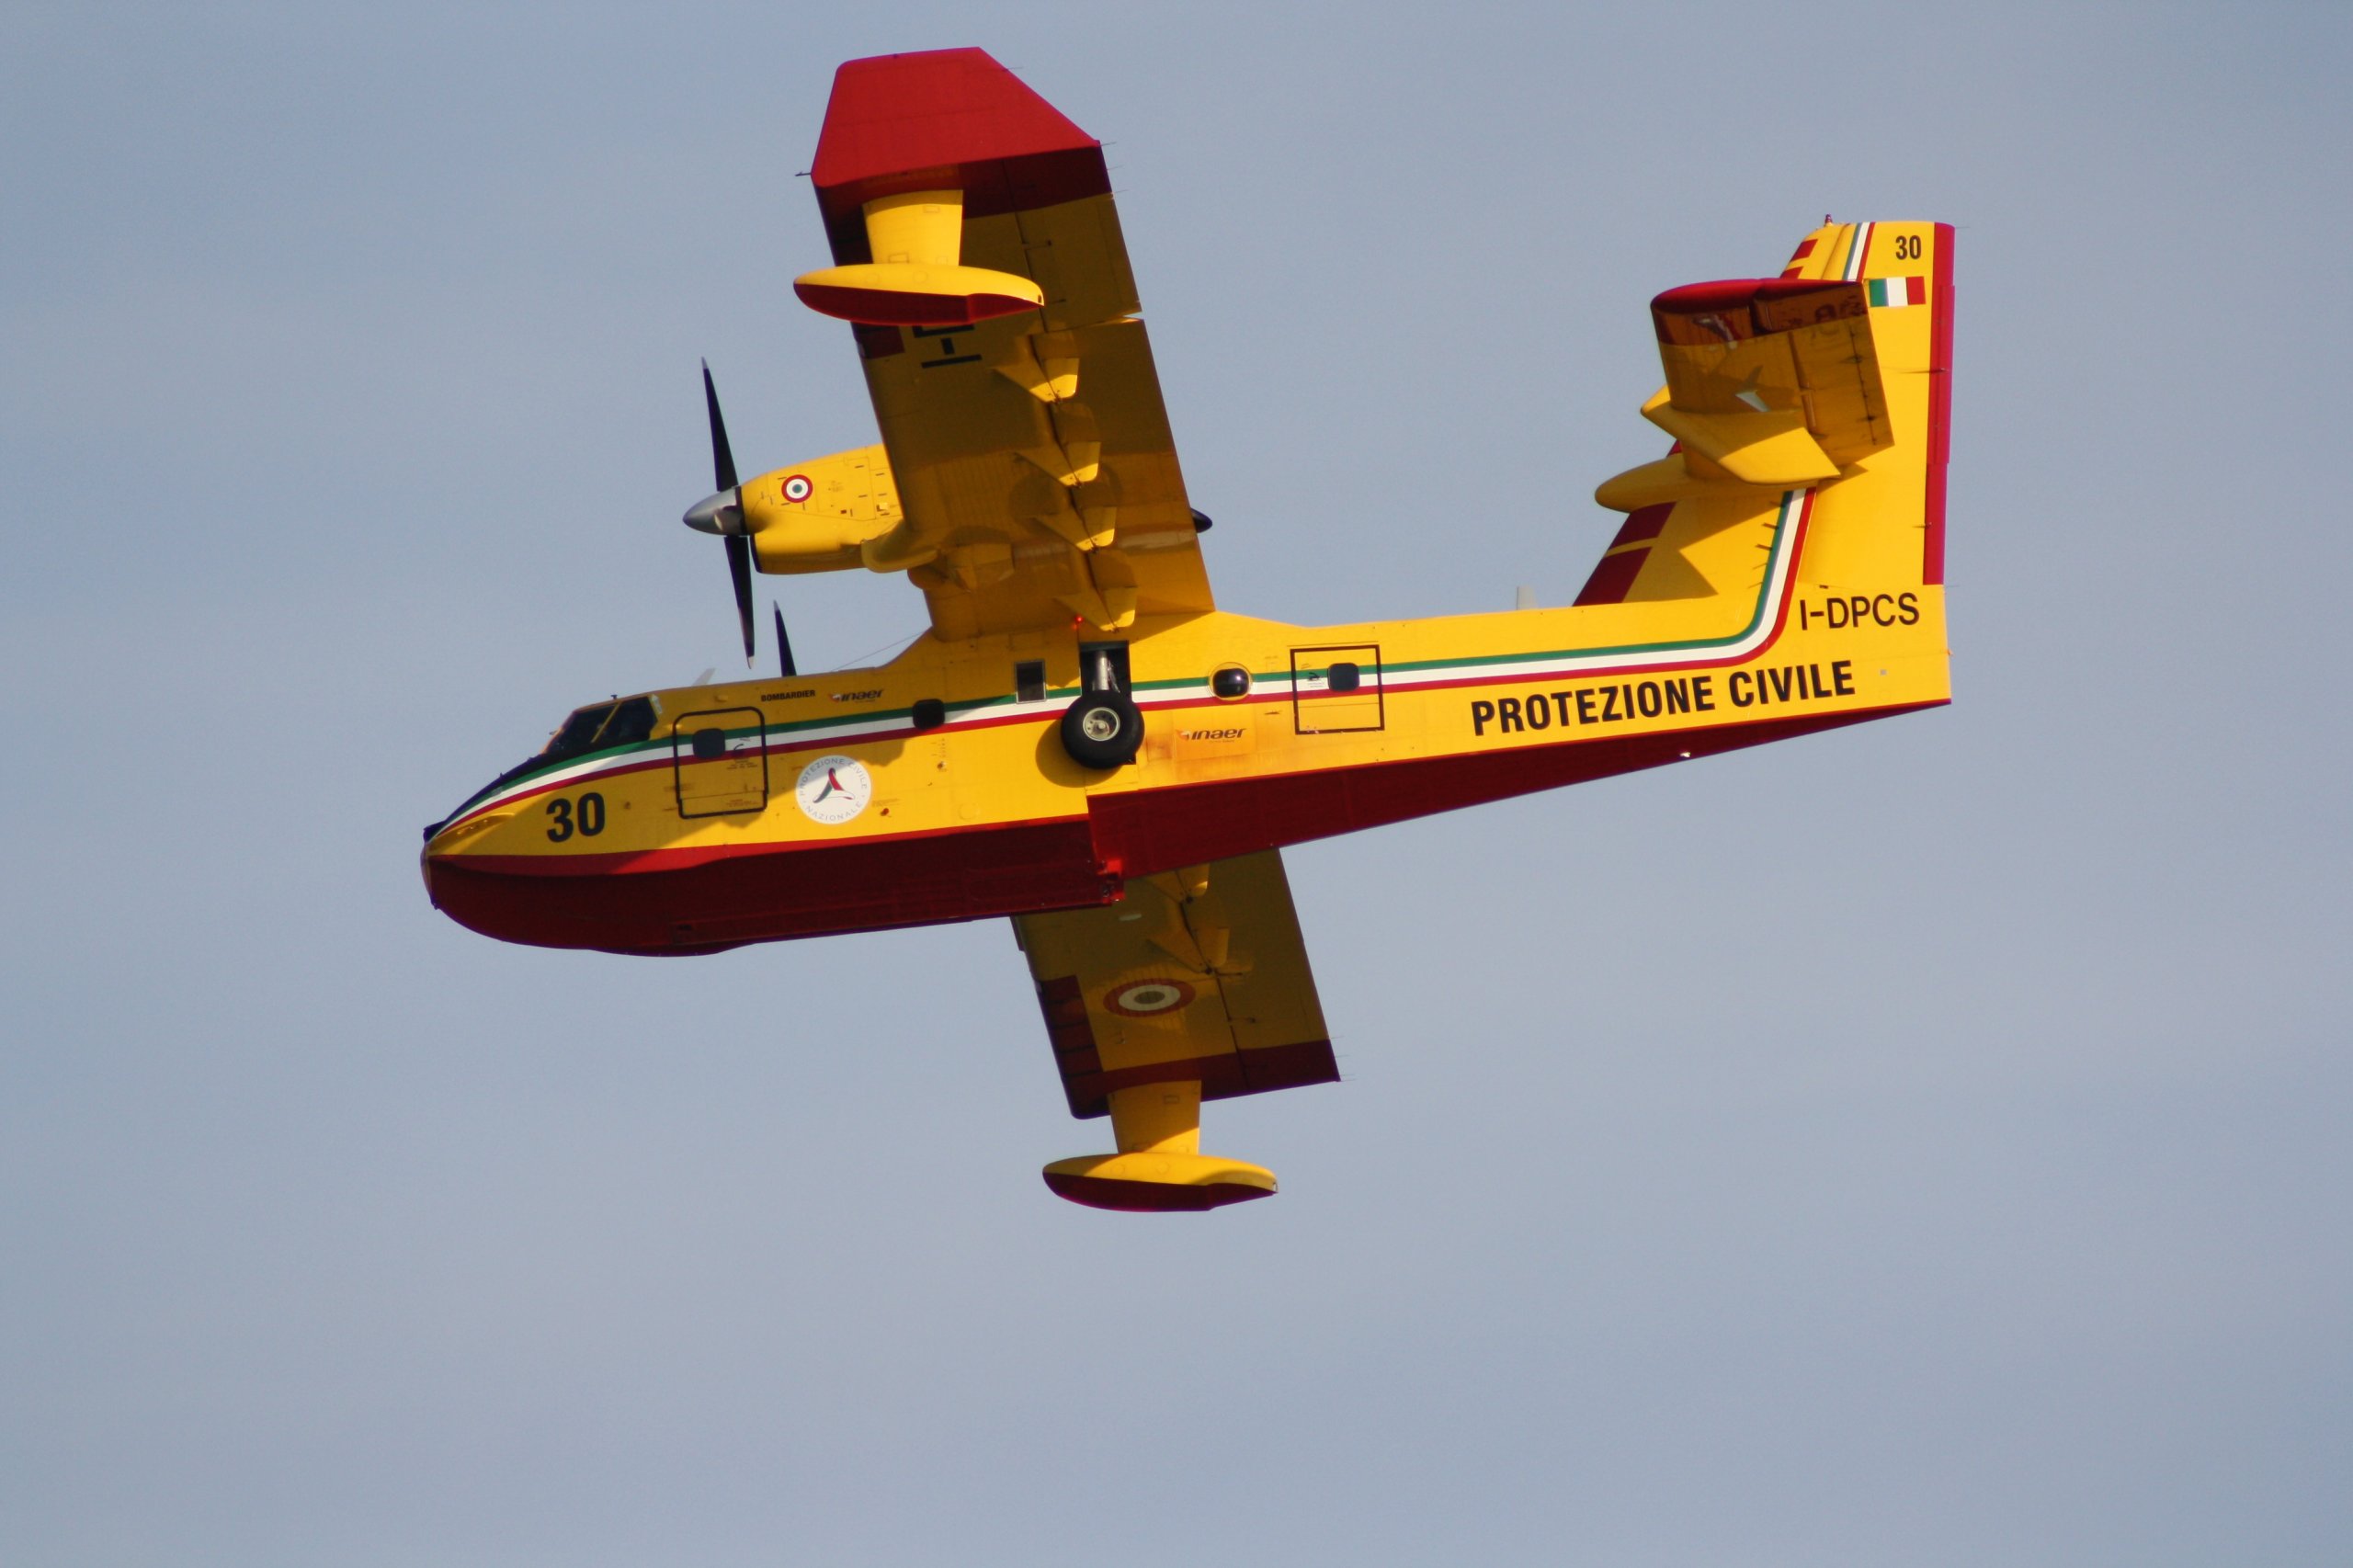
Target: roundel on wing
<point>798,488</point>
<point>1143,998</point>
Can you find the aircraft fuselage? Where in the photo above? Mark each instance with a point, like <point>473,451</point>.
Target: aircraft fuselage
<point>936,788</point>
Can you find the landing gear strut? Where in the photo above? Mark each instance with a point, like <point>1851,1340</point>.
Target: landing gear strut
<point>1103,728</point>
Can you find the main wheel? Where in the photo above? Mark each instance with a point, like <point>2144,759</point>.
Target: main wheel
<point>1102,730</point>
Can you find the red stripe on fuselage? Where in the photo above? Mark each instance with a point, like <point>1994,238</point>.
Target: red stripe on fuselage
<point>1407,683</point>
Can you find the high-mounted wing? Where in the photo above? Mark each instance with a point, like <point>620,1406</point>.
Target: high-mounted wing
<point>1194,987</point>
<point>978,254</point>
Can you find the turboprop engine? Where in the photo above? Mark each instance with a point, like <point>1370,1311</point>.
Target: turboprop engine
<point>819,516</point>
<point>812,516</point>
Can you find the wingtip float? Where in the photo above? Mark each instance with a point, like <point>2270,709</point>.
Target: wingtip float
<point>1083,743</point>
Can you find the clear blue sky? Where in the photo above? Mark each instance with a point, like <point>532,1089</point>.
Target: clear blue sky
<point>1919,1144</point>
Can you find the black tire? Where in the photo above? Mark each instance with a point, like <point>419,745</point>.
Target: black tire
<point>1102,730</point>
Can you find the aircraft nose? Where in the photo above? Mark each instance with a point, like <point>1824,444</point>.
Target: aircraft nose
<point>542,910</point>
<point>432,858</point>
<point>437,862</point>
<point>479,900</point>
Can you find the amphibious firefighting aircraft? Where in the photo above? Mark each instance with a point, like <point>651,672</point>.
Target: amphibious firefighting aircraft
<point>1084,742</point>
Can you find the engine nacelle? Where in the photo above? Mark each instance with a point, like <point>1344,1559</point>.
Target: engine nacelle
<point>813,516</point>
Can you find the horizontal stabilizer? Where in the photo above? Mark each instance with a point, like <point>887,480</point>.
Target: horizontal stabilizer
<point>1772,448</point>
<point>1670,479</point>
<point>1796,349</point>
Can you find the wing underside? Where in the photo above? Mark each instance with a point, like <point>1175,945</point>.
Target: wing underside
<point>1196,975</point>
<point>1028,442</point>
<point>1195,986</point>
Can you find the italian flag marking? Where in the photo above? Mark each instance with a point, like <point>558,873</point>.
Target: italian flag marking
<point>1888,292</point>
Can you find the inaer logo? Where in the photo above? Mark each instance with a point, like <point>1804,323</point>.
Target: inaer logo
<point>833,789</point>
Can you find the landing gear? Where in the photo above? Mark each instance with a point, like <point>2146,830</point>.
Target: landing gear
<point>1103,728</point>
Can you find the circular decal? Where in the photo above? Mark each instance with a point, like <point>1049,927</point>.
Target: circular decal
<point>1143,998</point>
<point>834,788</point>
<point>797,487</point>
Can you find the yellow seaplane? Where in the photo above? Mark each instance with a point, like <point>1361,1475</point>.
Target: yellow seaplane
<point>1084,742</point>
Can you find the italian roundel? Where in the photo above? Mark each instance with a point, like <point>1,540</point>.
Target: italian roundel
<point>798,488</point>
<point>1143,998</point>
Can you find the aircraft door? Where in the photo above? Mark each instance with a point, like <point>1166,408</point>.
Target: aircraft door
<point>718,763</point>
<point>1336,690</point>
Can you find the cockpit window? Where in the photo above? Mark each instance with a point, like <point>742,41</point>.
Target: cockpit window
<point>579,732</point>
<point>600,725</point>
<point>632,721</point>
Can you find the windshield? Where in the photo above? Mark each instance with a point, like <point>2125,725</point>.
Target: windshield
<point>616,723</point>
<point>598,726</point>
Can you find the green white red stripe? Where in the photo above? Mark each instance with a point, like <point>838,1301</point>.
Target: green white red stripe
<point>1788,525</point>
<point>1887,292</point>
<point>1853,271</point>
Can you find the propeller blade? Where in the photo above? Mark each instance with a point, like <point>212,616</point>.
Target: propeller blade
<point>783,644</point>
<point>723,460</point>
<point>739,567</point>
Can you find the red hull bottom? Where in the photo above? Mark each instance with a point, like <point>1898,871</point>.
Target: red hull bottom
<point>696,901</point>
<point>689,903</point>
